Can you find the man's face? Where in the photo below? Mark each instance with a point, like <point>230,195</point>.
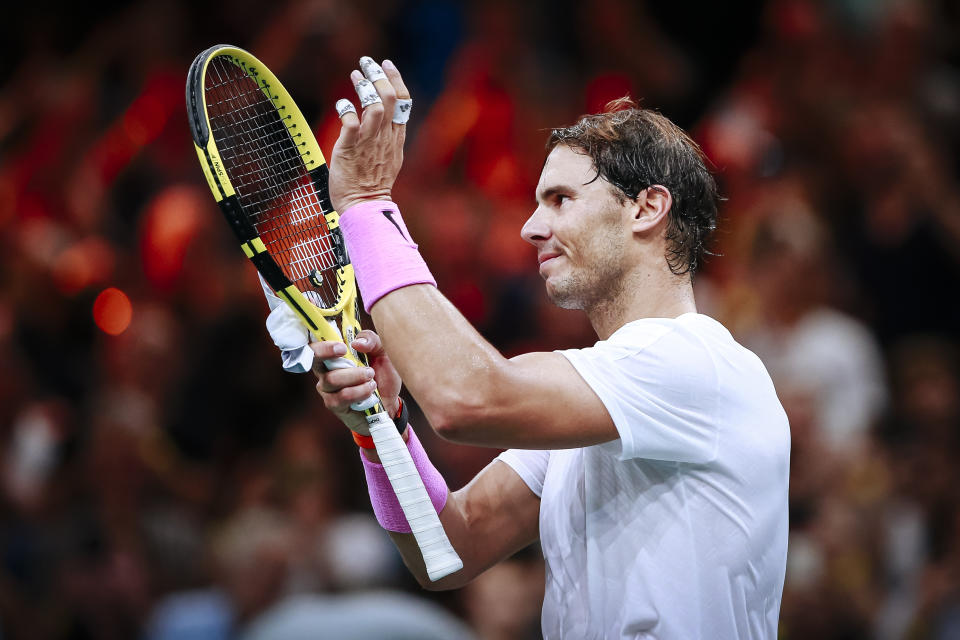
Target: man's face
<point>581,231</point>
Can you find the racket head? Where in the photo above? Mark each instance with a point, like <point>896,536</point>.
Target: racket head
<point>268,174</point>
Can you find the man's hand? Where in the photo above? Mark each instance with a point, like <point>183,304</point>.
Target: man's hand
<point>369,152</point>
<point>341,387</point>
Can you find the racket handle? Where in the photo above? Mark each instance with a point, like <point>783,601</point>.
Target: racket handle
<point>343,363</point>
<point>439,556</point>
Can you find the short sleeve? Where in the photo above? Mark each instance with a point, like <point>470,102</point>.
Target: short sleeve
<point>530,465</point>
<point>659,385</point>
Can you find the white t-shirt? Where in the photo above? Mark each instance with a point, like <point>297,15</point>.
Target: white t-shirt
<point>678,529</point>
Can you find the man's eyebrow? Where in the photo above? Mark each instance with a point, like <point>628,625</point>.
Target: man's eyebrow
<point>547,193</point>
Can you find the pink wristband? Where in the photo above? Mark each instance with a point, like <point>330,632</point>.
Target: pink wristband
<point>385,504</point>
<point>384,256</point>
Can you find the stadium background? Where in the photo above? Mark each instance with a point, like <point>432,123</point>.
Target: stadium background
<point>175,460</point>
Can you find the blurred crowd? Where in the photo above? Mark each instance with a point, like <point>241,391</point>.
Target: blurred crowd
<point>161,477</point>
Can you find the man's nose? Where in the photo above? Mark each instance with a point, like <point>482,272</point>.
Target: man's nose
<point>535,229</point>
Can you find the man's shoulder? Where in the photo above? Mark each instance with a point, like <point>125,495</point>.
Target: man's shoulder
<point>664,352</point>
<point>690,350</point>
<point>688,340</point>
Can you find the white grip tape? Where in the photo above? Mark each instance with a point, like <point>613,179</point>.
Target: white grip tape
<point>343,363</point>
<point>439,556</point>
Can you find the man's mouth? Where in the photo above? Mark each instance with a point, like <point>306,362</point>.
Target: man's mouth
<point>548,255</point>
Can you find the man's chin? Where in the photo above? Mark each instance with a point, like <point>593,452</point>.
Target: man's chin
<point>563,298</point>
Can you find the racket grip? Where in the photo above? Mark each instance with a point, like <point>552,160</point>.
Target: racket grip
<point>343,363</point>
<point>439,556</point>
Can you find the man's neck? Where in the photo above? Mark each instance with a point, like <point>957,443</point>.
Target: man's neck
<point>643,296</point>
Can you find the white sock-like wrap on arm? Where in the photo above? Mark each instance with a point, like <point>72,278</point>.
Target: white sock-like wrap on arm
<point>384,256</point>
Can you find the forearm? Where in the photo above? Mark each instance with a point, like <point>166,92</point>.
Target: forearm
<point>445,363</point>
<point>473,395</point>
<point>407,546</point>
<point>490,519</point>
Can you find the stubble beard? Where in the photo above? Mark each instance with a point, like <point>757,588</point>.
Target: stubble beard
<point>568,293</point>
<point>585,289</point>
<point>599,283</point>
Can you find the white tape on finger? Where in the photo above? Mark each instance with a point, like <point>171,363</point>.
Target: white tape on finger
<point>367,93</point>
<point>371,70</point>
<point>345,106</point>
<point>401,111</point>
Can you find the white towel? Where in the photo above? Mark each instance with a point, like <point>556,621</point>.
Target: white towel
<point>288,333</point>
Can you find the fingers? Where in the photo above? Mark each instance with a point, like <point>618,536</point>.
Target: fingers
<point>370,102</point>
<point>393,75</point>
<point>401,111</point>
<point>366,91</point>
<point>337,379</point>
<point>381,91</point>
<point>403,104</point>
<point>328,350</point>
<point>350,129</point>
<point>374,73</point>
<point>346,379</point>
<point>340,401</point>
<point>368,342</point>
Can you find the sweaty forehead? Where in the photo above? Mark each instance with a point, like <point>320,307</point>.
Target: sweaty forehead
<point>566,167</point>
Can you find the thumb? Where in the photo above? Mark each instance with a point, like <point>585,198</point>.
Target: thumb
<point>368,342</point>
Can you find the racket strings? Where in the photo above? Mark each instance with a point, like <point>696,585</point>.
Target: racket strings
<point>240,104</point>
<point>303,201</point>
<point>272,184</point>
<point>246,102</point>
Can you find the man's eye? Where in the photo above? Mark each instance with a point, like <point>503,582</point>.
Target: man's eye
<point>561,198</point>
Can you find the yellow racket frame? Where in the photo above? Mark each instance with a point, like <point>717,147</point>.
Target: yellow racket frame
<point>314,318</point>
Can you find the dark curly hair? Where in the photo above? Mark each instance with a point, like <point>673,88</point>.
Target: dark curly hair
<point>634,148</point>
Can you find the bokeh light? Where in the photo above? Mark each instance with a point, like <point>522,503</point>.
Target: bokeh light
<point>83,264</point>
<point>171,221</point>
<point>112,311</point>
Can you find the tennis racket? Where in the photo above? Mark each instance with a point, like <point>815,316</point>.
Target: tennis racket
<point>268,175</point>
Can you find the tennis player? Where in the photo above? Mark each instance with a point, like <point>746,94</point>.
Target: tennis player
<point>652,466</point>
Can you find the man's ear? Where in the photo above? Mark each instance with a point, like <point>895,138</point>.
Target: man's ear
<point>653,205</point>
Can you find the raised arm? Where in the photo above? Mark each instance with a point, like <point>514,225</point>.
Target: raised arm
<point>471,394</point>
